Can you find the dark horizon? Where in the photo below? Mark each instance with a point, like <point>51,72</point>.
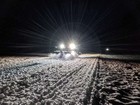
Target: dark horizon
<point>37,26</point>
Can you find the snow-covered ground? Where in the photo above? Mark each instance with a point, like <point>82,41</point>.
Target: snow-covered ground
<point>82,81</point>
<point>45,81</point>
<point>118,83</point>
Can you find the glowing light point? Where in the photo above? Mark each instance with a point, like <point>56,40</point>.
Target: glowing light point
<point>107,49</point>
<point>72,46</point>
<point>62,46</point>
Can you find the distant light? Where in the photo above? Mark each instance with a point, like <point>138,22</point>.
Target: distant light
<point>72,46</point>
<point>107,49</point>
<point>62,46</point>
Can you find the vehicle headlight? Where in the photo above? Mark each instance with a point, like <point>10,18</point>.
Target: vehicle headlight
<point>62,46</point>
<point>72,46</point>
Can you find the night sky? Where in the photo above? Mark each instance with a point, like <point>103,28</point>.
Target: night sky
<point>37,26</point>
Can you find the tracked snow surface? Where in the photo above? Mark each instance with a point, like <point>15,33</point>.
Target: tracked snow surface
<point>45,81</point>
<point>117,83</point>
<point>82,81</point>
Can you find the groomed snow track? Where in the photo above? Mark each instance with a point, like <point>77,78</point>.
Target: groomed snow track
<point>47,81</point>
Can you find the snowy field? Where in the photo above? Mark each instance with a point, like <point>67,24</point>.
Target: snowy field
<point>118,83</point>
<point>108,56</point>
<point>82,81</point>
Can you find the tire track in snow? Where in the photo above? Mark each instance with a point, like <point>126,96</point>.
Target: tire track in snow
<point>80,77</point>
<point>90,91</point>
<point>62,80</point>
<point>68,80</point>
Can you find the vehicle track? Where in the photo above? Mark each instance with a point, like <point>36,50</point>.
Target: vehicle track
<point>47,81</point>
<point>63,90</point>
<point>62,80</point>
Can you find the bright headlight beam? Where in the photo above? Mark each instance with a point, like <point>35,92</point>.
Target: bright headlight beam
<point>62,46</point>
<point>72,46</point>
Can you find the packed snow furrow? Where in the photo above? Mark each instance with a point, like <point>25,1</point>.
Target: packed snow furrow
<point>73,89</point>
<point>31,84</point>
<point>66,69</point>
<point>93,100</point>
<point>86,80</point>
<point>89,91</point>
<point>62,81</point>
